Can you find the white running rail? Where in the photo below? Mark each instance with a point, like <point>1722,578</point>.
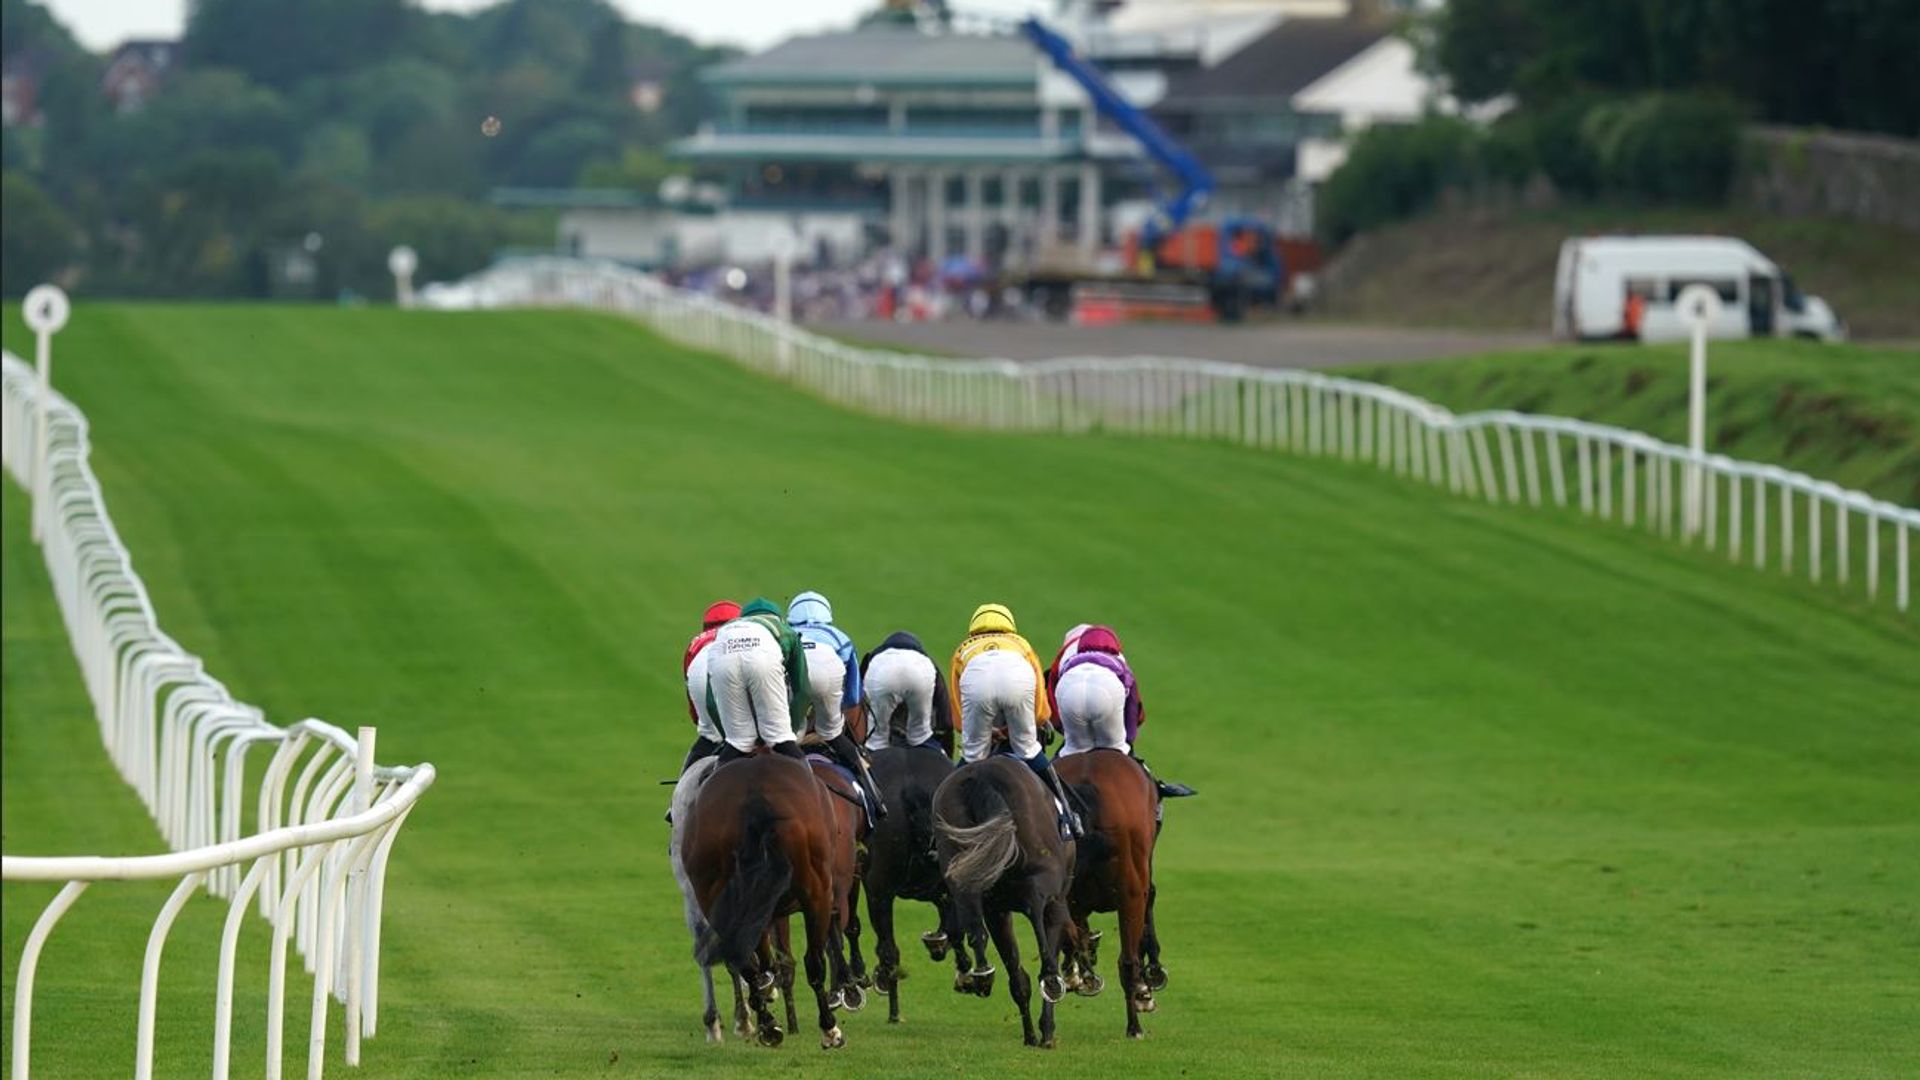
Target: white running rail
<point>325,817</point>
<point>1763,514</point>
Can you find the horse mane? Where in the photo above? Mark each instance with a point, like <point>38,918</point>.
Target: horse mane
<point>760,879</point>
<point>988,847</point>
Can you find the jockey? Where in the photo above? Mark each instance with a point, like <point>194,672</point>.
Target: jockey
<point>1096,701</point>
<point>757,682</point>
<point>693,668</point>
<point>900,676</point>
<point>998,684</point>
<point>833,674</point>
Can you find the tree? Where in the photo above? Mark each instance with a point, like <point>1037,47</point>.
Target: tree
<point>281,43</point>
<point>39,241</point>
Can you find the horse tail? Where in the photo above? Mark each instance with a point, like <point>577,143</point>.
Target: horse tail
<point>988,846</point>
<point>761,876</point>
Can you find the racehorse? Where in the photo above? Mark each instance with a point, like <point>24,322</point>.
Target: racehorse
<point>758,847</point>
<point>901,863</point>
<point>1114,872</point>
<point>1001,850</point>
<point>683,794</point>
<point>850,831</point>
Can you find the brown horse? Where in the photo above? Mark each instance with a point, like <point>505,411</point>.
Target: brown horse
<point>1114,872</point>
<point>759,847</point>
<point>998,837</point>
<point>850,833</point>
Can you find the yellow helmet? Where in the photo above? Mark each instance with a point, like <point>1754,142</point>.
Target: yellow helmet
<point>991,618</point>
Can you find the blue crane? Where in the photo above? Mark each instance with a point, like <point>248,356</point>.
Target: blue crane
<point>1196,183</point>
<point>1245,267</point>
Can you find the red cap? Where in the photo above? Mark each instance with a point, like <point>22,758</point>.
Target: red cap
<point>1100,639</point>
<point>722,611</point>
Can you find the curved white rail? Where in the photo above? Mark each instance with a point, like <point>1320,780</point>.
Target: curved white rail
<point>325,817</point>
<point>1749,511</point>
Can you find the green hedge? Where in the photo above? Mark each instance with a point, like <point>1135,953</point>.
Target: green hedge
<point>1655,148</point>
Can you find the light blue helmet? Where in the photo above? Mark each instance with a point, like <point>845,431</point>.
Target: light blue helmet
<point>810,609</point>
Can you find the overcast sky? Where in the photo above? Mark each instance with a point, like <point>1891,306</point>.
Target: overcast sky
<point>102,24</point>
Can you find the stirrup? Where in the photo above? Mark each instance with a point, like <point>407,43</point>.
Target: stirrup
<point>1173,789</point>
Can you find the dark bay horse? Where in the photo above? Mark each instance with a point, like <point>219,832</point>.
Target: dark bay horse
<point>1114,872</point>
<point>997,832</point>
<point>901,864</point>
<point>759,847</point>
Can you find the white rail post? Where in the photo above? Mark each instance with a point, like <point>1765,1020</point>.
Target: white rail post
<point>356,900</point>
<point>1699,305</point>
<point>45,309</point>
<point>783,246</point>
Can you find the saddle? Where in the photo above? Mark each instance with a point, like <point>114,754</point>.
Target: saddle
<point>853,782</point>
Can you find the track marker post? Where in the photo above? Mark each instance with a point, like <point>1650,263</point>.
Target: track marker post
<point>46,309</point>
<point>1699,307</point>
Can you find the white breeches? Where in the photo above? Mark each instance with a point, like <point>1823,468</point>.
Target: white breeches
<point>697,693</point>
<point>895,678</point>
<point>1093,704</point>
<point>749,682</point>
<point>828,678</point>
<point>996,690</point>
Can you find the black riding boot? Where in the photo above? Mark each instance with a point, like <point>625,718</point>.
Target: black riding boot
<point>702,748</point>
<point>1039,764</point>
<point>790,748</point>
<point>849,755</point>
<point>1168,789</point>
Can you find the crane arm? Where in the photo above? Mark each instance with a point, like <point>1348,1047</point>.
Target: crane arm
<point>1196,183</point>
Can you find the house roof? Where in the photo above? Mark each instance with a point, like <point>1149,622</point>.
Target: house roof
<point>885,54</point>
<point>1278,64</point>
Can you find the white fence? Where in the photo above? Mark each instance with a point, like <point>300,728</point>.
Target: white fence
<point>1763,514</point>
<point>313,855</point>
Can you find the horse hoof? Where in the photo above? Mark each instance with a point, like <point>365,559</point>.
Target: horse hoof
<point>937,945</point>
<point>771,1036</point>
<point>1145,1003</point>
<point>1136,1036</point>
<point>854,998</point>
<point>1090,985</point>
<point>1048,1043</point>
<point>1052,988</point>
<point>1156,978</point>
<point>714,1035</point>
<point>831,1039</point>
<point>884,982</point>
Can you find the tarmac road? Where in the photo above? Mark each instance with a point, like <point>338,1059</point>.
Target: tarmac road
<point>1284,343</point>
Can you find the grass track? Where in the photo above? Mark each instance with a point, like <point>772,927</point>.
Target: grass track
<point>1487,792</point>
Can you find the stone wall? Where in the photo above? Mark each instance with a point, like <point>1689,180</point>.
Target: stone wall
<point>1805,173</point>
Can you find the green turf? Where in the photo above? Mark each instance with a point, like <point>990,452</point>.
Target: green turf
<point>1485,791</point>
<point>1850,415</point>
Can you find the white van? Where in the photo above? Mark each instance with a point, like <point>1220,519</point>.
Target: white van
<point>1624,287</point>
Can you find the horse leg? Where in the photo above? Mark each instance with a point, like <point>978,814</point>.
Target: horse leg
<point>783,967</point>
<point>819,919</point>
<point>741,1026</point>
<point>1133,924</point>
<point>969,932</point>
<point>1048,914</point>
<point>711,1017</point>
<point>887,973</point>
<point>1151,972</point>
<point>857,964</point>
<point>766,1031</point>
<point>1017,982</point>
